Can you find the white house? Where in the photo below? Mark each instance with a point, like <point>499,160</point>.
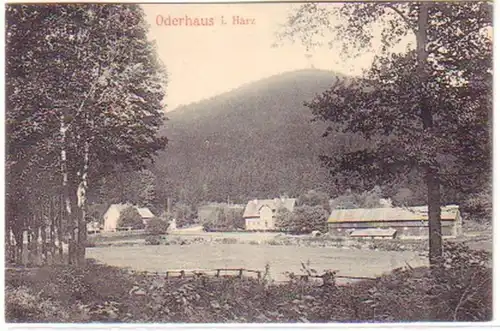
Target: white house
<point>261,214</point>
<point>112,216</point>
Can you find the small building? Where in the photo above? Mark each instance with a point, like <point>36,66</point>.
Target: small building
<point>261,214</point>
<point>406,221</point>
<point>114,211</point>
<point>146,214</point>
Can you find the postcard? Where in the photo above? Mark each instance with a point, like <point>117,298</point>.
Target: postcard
<point>248,162</point>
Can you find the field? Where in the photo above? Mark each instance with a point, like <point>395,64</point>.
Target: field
<point>349,262</point>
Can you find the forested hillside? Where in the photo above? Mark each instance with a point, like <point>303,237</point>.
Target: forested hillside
<point>255,141</point>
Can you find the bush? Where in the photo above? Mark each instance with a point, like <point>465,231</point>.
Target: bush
<point>130,217</point>
<point>153,240</point>
<point>229,241</point>
<point>464,282</point>
<point>459,290</point>
<point>226,220</point>
<point>304,219</point>
<point>156,226</point>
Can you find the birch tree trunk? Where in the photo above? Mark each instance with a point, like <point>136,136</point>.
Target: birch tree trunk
<point>60,229</point>
<point>431,176</point>
<point>43,234</point>
<point>68,219</point>
<point>82,191</point>
<point>29,246</point>
<point>53,217</point>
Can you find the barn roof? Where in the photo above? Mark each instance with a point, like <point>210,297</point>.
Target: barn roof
<point>253,206</point>
<point>419,213</point>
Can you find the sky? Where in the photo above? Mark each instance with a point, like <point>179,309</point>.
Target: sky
<point>203,61</point>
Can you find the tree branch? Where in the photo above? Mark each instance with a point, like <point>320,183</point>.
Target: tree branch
<point>409,23</point>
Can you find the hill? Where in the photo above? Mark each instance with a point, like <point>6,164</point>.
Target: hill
<point>257,140</point>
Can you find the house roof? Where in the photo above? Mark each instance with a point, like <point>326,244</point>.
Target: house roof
<point>253,206</point>
<point>419,213</point>
<point>145,212</point>
<point>118,206</point>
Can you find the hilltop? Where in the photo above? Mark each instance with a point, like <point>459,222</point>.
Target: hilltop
<point>257,140</point>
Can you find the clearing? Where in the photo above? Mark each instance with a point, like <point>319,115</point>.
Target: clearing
<point>349,262</point>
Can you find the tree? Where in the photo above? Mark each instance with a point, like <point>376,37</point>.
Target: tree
<point>424,109</point>
<point>226,219</point>
<point>125,186</point>
<point>314,198</point>
<point>283,216</point>
<point>184,214</point>
<point>304,219</point>
<point>365,199</point>
<point>85,95</point>
<point>157,225</point>
<point>130,217</point>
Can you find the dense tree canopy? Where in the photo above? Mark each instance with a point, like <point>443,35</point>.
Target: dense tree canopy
<point>425,109</point>
<point>84,94</point>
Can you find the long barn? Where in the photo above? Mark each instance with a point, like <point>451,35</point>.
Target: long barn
<point>392,222</point>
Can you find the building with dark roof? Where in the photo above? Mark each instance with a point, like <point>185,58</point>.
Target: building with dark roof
<point>406,221</point>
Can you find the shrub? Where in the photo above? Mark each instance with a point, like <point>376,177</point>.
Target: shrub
<point>152,240</point>
<point>130,217</point>
<point>156,226</point>
<point>304,219</point>
<point>225,220</point>
<point>464,282</point>
<point>229,240</point>
<point>460,289</point>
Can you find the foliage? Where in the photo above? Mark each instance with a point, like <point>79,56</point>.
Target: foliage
<point>460,289</point>
<point>227,219</point>
<point>152,240</point>
<point>283,218</point>
<point>130,217</point>
<point>479,206</point>
<point>414,107</point>
<point>211,158</point>
<point>314,198</point>
<point>125,186</point>
<point>366,199</point>
<point>184,214</point>
<point>114,295</point>
<point>305,219</point>
<point>87,85</point>
<point>157,225</point>
<point>464,282</point>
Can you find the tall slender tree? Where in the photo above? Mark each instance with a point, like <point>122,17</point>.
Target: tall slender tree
<point>83,82</point>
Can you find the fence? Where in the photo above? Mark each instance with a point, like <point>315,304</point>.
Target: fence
<point>219,272</point>
<point>327,278</point>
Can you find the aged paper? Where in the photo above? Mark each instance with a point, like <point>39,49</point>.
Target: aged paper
<point>248,162</point>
